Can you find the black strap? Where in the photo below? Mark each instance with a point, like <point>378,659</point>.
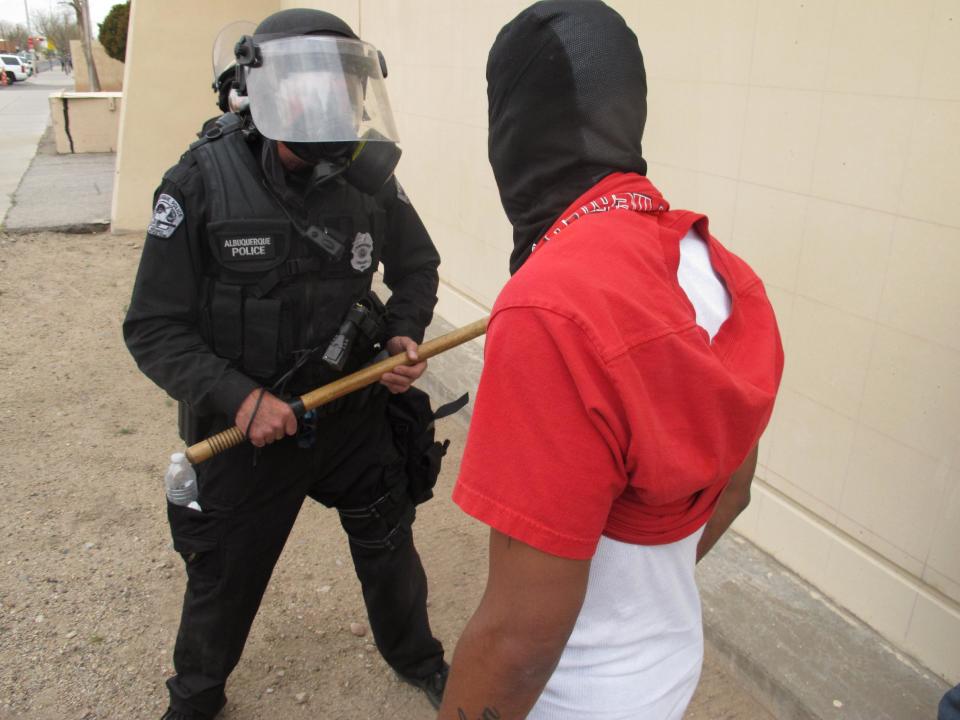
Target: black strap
<point>390,541</point>
<point>297,266</point>
<point>371,326</point>
<point>330,241</point>
<point>253,415</point>
<point>223,125</point>
<point>372,510</point>
<point>451,407</point>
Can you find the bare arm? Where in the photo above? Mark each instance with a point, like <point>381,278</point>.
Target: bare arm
<point>512,643</point>
<point>732,502</point>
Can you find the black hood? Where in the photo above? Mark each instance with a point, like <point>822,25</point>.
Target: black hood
<point>567,96</point>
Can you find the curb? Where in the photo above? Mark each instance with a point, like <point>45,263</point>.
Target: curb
<point>89,228</point>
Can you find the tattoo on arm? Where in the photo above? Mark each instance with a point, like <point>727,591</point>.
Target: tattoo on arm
<point>489,713</point>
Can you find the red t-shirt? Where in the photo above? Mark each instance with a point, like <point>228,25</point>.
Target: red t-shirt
<point>603,408</point>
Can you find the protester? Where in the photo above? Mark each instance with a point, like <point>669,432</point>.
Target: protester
<point>630,368</point>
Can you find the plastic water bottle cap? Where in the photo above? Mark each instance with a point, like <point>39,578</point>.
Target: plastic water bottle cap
<point>177,458</point>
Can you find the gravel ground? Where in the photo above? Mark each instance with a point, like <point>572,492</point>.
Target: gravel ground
<point>90,587</point>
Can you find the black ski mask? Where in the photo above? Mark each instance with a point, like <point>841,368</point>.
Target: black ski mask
<point>567,96</point>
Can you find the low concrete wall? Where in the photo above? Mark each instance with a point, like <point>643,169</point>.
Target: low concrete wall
<point>86,122</point>
<point>109,71</point>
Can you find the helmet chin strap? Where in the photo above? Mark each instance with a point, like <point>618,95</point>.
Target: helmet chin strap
<point>327,170</point>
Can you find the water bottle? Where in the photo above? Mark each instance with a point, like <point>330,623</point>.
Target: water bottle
<point>181,482</point>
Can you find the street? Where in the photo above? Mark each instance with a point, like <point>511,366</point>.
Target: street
<point>24,116</point>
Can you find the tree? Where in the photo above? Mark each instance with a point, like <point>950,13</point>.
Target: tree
<point>113,31</point>
<point>15,34</point>
<point>82,9</point>
<point>58,28</point>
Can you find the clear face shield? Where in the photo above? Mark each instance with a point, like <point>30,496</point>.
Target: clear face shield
<point>224,62</point>
<point>318,89</point>
<point>224,57</point>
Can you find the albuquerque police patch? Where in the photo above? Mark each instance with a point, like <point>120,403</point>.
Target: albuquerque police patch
<point>247,247</point>
<point>167,215</point>
<point>362,252</point>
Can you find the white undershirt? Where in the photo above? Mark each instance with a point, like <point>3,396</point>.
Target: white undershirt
<point>637,647</point>
<point>700,282</point>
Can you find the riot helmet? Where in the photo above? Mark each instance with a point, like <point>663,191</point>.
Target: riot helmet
<point>225,66</point>
<point>315,86</point>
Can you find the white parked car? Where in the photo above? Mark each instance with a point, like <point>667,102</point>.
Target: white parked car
<point>27,63</point>
<point>14,68</point>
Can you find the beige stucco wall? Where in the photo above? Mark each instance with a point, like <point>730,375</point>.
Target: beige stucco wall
<point>168,94</point>
<point>86,122</point>
<point>109,71</point>
<point>821,139</point>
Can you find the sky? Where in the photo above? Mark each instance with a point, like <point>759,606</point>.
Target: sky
<point>13,10</point>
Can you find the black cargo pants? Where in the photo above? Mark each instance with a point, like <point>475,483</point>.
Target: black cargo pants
<point>232,545</point>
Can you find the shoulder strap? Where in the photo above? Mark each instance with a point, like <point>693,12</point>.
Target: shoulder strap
<point>231,175</point>
<point>179,172</point>
<point>451,407</point>
<point>223,125</point>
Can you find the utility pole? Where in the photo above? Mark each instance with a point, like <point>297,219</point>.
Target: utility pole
<point>88,50</point>
<point>26,11</point>
<point>82,9</point>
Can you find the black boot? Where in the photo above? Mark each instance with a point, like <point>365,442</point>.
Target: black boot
<point>172,714</point>
<point>432,685</point>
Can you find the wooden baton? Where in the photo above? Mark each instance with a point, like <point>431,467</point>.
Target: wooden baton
<point>216,444</point>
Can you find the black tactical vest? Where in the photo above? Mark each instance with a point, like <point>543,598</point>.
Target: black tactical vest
<point>271,294</point>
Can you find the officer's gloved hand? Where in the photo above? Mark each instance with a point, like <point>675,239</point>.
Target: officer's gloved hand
<point>273,418</point>
<point>401,378</point>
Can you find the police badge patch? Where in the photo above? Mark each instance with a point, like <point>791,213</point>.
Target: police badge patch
<point>362,252</point>
<point>167,215</point>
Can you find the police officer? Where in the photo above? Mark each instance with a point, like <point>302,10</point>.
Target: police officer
<point>225,70</point>
<point>264,237</point>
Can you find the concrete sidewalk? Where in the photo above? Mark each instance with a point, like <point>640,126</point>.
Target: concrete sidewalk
<point>39,189</point>
<point>24,116</point>
<point>63,193</point>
